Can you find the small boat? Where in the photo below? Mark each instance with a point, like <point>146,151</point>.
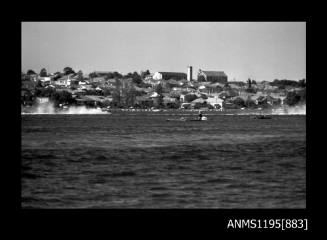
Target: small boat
<point>263,117</point>
<point>105,109</point>
<point>182,119</point>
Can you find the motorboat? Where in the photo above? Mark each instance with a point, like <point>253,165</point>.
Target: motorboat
<point>262,117</point>
<point>182,119</point>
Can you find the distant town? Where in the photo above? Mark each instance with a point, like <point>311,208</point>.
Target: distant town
<point>159,90</point>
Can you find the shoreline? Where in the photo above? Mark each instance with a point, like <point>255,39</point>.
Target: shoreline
<point>285,110</point>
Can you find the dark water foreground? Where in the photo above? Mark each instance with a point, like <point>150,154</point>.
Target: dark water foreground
<point>143,161</point>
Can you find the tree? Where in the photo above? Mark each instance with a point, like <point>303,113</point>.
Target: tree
<point>302,82</point>
<point>57,75</point>
<point>80,75</point>
<point>293,98</point>
<point>30,72</point>
<point>124,94</point>
<point>227,87</point>
<point>145,73</point>
<point>204,96</point>
<point>285,83</point>
<point>43,73</point>
<point>173,105</point>
<point>44,92</point>
<point>136,78</point>
<point>174,94</point>
<point>117,75</point>
<point>250,88</point>
<point>128,75</point>
<point>158,88</point>
<point>239,102</point>
<point>25,77</point>
<point>93,75</point>
<point>39,84</point>
<point>68,70</point>
<point>106,92</point>
<point>249,83</point>
<point>249,103</point>
<point>129,96</point>
<point>190,97</point>
<point>62,97</point>
<point>201,78</point>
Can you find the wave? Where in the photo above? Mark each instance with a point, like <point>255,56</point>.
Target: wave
<point>49,108</point>
<point>287,110</point>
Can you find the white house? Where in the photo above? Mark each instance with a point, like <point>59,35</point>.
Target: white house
<point>214,101</point>
<point>42,99</point>
<point>154,95</point>
<point>63,81</point>
<point>45,80</point>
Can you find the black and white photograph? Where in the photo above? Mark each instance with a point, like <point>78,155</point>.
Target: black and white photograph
<point>163,115</point>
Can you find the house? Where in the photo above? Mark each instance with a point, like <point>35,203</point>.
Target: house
<point>64,81</point>
<point>228,94</point>
<point>82,82</point>
<point>215,101</point>
<point>42,100</point>
<point>168,99</point>
<point>156,98</point>
<point>45,80</point>
<point>199,103</point>
<point>235,86</point>
<point>112,82</point>
<point>199,100</point>
<point>214,88</point>
<point>186,105</point>
<point>98,80</point>
<point>148,78</point>
<point>154,95</point>
<point>172,83</point>
<point>152,81</point>
<point>86,87</point>
<point>213,76</point>
<point>176,89</point>
<point>169,75</point>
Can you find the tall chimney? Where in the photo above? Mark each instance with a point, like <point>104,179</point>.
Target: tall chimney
<point>189,73</point>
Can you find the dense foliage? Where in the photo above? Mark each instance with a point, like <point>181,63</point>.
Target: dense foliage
<point>30,72</point>
<point>294,98</point>
<point>43,72</point>
<point>291,83</point>
<point>190,97</point>
<point>68,70</point>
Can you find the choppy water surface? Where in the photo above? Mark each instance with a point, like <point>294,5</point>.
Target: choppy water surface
<point>143,161</point>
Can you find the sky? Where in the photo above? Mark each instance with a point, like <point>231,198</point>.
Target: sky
<point>256,50</point>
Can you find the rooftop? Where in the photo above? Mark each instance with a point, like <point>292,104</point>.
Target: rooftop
<point>214,73</point>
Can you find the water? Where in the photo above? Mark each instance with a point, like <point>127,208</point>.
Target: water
<point>139,160</point>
